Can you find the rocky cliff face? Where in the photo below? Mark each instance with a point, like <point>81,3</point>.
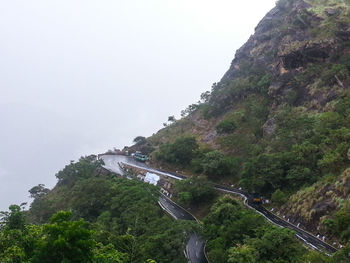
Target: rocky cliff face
<point>299,56</point>
<point>290,39</point>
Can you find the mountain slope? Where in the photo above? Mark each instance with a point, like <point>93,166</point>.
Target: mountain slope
<point>279,119</point>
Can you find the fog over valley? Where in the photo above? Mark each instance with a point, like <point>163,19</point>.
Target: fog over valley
<point>81,77</point>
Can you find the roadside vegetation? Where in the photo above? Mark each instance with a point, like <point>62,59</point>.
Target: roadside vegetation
<point>196,190</point>
<point>278,122</point>
<point>92,216</point>
<point>236,234</point>
<point>306,148</point>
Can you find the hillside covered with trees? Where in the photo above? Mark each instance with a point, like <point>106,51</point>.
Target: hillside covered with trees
<point>98,217</point>
<point>92,216</point>
<point>278,122</point>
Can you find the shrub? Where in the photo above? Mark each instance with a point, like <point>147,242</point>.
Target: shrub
<point>214,163</point>
<point>264,83</point>
<point>195,189</point>
<point>226,126</point>
<point>180,152</point>
<point>279,198</point>
<point>337,70</point>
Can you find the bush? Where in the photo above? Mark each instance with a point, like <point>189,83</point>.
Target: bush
<point>226,126</point>
<point>264,83</point>
<point>185,198</point>
<point>206,110</point>
<point>214,163</point>
<point>279,198</point>
<point>180,152</point>
<point>195,189</point>
<point>339,70</point>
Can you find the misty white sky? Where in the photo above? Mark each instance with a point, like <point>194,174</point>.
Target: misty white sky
<point>79,77</point>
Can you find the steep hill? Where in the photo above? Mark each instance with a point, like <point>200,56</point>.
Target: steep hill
<point>278,122</point>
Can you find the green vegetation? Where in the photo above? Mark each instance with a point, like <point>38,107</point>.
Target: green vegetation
<point>215,164</point>
<point>236,234</point>
<point>279,198</point>
<point>111,220</point>
<point>65,240</point>
<point>330,24</point>
<point>323,75</point>
<point>305,148</point>
<point>226,126</point>
<point>340,223</point>
<point>61,240</point>
<point>85,168</point>
<point>278,123</point>
<point>194,190</point>
<point>140,140</point>
<point>180,152</point>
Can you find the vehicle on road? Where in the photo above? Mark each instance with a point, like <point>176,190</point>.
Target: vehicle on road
<point>256,199</point>
<point>140,157</point>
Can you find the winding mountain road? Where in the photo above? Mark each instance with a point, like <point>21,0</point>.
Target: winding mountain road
<point>195,245</point>
<point>303,235</point>
<point>111,163</point>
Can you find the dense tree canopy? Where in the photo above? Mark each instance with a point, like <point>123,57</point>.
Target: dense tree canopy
<point>122,217</point>
<point>181,151</point>
<point>194,190</point>
<point>238,235</point>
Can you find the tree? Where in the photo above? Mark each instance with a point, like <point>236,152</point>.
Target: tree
<point>185,198</point>
<point>277,244</point>
<point>180,152</point>
<point>65,240</point>
<point>214,163</point>
<point>107,254</point>
<point>190,109</point>
<point>171,119</point>
<point>139,140</point>
<point>84,168</point>
<point>278,197</point>
<point>315,257</point>
<point>38,191</point>
<point>205,96</point>
<point>17,239</point>
<point>195,189</point>
<point>243,254</point>
<point>342,256</point>
<point>14,219</point>
<point>226,126</point>
<point>231,222</point>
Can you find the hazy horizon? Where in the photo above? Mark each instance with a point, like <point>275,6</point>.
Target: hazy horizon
<point>81,77</point>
